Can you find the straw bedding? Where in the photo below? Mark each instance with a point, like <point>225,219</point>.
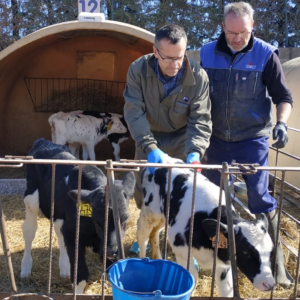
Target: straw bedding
<point>84,98</point>
<point>14,211</point>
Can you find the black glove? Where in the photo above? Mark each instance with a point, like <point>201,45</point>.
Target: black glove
<point>280,132</point>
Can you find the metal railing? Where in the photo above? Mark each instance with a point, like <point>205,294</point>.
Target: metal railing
<point>68,94</point>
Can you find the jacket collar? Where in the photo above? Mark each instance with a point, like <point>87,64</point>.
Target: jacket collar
<point>223,49</point>
<point>188,77</point>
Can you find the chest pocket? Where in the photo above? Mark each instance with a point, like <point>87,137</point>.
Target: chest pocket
<point>217,81</point>
<point>245,85</point>
<point>178,115</point>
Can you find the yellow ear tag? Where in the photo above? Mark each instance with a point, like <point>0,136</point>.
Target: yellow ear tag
<point>223,242</point>
<point>85,210</point>
<point>109,126</point>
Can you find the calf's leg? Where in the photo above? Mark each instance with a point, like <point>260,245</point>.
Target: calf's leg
<point>88,151</point>
<point>64,262</point>
<point>74,148</point>
<point>29,229</point>
<point>283,277</point>
<point>91,151</point>
<point>181,254</point>
<point>116,151</point>
<point>82,270</point>
<point>85,154</point>
<point>145,225</point>
<point>154,241</point>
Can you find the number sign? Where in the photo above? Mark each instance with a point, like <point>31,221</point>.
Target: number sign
<point>91,6</point>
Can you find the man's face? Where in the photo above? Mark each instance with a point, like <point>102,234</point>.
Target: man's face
<point>170,57</point>
<point>237,31</point>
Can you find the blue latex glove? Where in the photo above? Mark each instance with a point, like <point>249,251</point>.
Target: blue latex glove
<point>192,157</point>
<point>155,156</point>
<point>280,132</point>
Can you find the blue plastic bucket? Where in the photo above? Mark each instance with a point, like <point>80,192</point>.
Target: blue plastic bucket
<point>137,278</point>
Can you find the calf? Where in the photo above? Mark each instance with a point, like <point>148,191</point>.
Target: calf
<point>76,129</point>
<point>115,139</point>
<point>92,220</point>
<point>253,243</point>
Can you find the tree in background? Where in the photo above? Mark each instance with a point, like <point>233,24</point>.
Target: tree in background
<point>277,22</point>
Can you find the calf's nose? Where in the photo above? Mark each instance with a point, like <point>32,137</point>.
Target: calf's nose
<point>268,286</point>
<point>112,252</point>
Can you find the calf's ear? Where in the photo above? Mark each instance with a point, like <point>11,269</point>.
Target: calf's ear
<point>263,218</point>
<point>210,227</point>
<point>85,195</point>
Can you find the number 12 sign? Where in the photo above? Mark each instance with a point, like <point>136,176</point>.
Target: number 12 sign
<point>91,6</point>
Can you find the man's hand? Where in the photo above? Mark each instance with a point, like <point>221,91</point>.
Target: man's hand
<point>155,156</point>
<point>280,133</point>
<point>197,163</point>
<point>192,157</point>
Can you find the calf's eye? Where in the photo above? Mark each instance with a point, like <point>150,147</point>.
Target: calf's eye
<point>263,229</point>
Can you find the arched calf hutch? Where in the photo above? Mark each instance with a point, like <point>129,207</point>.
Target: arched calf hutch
<point>68,66</point>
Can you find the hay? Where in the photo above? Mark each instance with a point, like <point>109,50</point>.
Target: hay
<point>15,212</point>
<point>83,98</point>
<point>12,173</point>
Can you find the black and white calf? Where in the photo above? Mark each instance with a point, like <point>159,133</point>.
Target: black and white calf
<point>38,196</point>
<point>115,139</point>
<point>253,243</point>
<point>78,129</point>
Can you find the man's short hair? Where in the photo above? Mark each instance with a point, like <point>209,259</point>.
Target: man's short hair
<point>239,9</point>
<point>173,33</point>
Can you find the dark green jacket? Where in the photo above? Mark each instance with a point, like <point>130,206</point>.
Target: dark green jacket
<point>186,109</point>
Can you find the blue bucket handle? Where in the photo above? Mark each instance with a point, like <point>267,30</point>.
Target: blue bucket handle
<point>157,293</point>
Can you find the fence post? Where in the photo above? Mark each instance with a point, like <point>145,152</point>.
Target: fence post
<point>111,177</point>
<point>232,250</point>
<point>6,251</point>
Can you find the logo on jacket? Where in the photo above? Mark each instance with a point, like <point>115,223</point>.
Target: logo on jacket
<point>185,99</point>
<point>251,66</point>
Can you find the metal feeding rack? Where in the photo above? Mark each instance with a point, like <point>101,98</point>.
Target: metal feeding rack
<point>68,94</point>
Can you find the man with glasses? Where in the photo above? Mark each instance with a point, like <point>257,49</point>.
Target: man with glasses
<point>241,70</point>
<point>167,105</point>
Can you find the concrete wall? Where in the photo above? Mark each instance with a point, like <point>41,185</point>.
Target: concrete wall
<point>291,69</point>
<point>286,54</point>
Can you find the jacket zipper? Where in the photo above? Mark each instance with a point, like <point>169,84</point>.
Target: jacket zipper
<point>227,102</point>
<point>256,75</point>
<point>159,117</point>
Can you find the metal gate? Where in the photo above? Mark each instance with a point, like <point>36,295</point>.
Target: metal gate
<point>111,167</point>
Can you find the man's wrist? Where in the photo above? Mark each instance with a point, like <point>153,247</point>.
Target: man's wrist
<point>282,123</point>
<point>150,148</point>
<point>196,151</point>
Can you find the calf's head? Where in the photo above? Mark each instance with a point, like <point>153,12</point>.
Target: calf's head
<point>97,199</point>
<point>254,249</point>
<point>115,125</point>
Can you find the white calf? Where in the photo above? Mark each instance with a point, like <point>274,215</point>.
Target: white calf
<point>115,139</point>
<point>83,129</point>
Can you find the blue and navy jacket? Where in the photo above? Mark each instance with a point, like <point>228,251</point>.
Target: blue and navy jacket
<point>241,108</point>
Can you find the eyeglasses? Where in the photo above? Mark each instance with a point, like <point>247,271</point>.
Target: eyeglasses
<point>234,34</point>
<point>169,60</point>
